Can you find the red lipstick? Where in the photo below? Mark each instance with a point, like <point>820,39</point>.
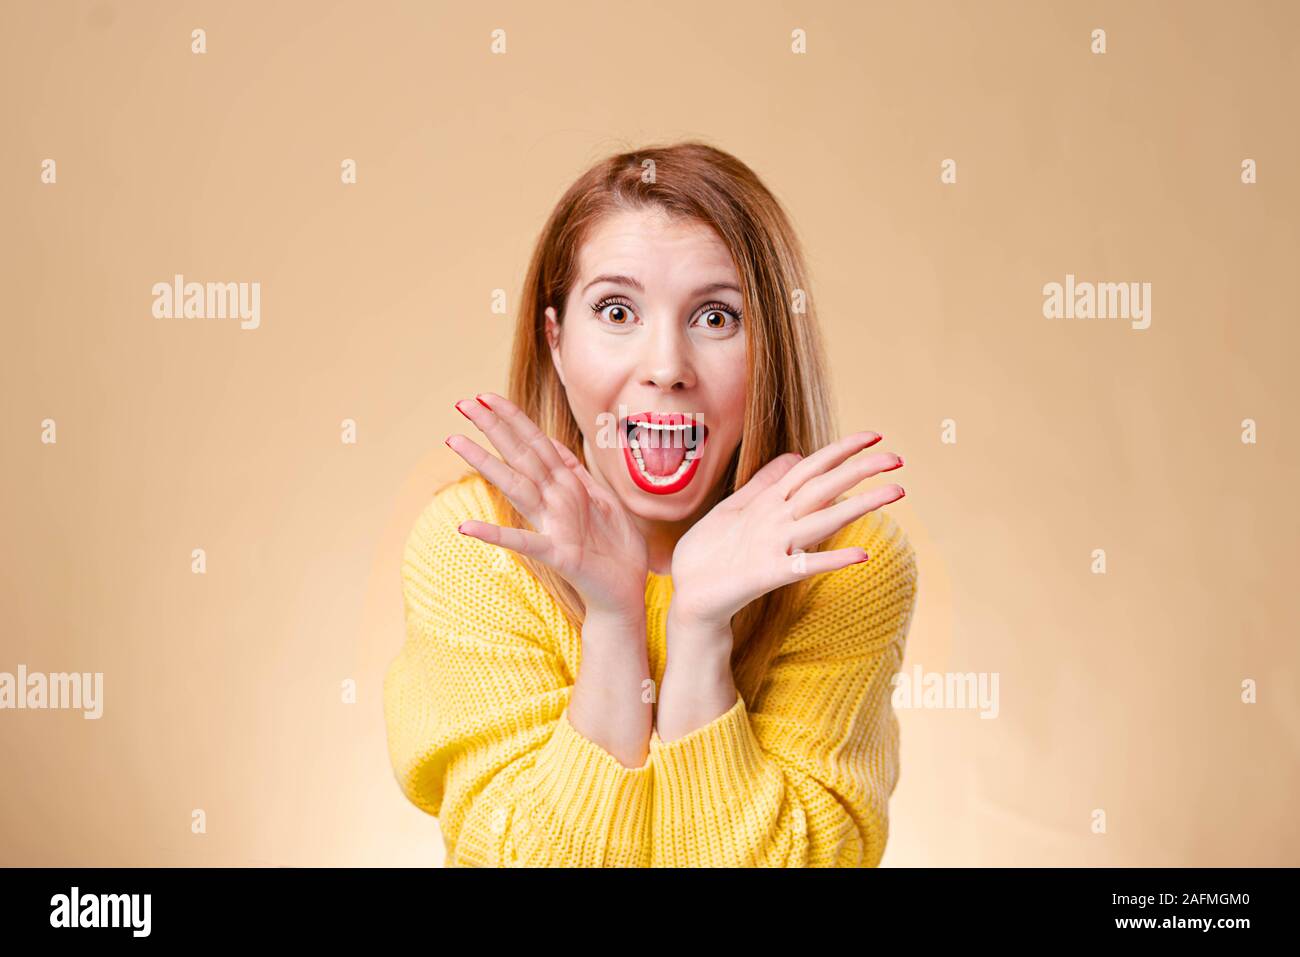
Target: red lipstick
<point>651,445</point>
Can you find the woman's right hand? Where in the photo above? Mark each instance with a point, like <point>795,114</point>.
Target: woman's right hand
<point>582,530</point>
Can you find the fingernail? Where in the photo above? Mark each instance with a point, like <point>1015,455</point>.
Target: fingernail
<point>462,411</point>
<point>447,442</point>
<point>864,557</point>
<point>900,460</point>
<point>902,492</point>
<point>458,528</point>
<point>482,403</point>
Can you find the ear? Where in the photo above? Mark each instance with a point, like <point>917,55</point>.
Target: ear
<point>553,341</point>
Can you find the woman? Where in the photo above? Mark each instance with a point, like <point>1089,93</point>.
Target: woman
<point>645,635</point>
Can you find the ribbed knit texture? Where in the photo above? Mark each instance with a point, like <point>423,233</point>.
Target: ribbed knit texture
<point>479,736</point>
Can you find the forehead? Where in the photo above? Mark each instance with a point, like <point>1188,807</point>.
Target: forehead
<point>660,251</point>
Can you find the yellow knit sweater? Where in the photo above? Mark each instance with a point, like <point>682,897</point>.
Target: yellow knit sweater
<point>479,736</point>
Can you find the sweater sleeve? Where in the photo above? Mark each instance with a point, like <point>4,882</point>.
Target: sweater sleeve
<point>804,776</point>
<point>475,706</point>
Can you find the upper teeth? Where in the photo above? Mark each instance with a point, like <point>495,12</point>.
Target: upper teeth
<point>653,425</point>
<point>692,451</point>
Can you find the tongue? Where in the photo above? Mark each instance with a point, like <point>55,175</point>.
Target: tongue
<point>665,459</point>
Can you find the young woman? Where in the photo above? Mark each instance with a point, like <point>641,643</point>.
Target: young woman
<point>649,633</point>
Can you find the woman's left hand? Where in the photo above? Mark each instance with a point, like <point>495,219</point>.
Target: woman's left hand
<point>753,541</point>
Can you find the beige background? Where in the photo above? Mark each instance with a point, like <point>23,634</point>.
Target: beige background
<point>1119,692</point>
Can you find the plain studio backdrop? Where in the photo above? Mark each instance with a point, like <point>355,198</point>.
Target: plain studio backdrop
<point>225,692</point>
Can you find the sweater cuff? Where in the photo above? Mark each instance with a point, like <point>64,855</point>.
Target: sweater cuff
<point>589,800</point>
<point>699,776</point>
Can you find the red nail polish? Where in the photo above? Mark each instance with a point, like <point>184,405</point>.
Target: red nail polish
<point>862,559</point>
<point>458,528</point>
<point>902,492</point>
<point>482,403</point>
<point>462,411</point>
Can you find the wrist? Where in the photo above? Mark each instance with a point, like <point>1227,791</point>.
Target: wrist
<point>629,616</point>
<point>623,603</point>
<point>687,624</point>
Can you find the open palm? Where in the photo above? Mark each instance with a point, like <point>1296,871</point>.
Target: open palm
<point>580,529</point>
<point>759,538</point>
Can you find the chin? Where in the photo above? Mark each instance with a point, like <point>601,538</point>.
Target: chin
<point>661,508</point>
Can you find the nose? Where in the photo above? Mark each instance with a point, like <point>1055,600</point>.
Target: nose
<point>666,362</point>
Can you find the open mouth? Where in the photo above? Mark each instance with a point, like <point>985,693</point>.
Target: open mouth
<point>663,450</point>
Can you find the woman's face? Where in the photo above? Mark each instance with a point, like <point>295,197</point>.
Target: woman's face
<point>652,332</point>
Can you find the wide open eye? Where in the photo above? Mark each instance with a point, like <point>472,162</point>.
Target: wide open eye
<point>715,315</point>
<point>615,311</point>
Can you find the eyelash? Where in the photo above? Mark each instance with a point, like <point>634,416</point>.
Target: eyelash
<point>708,307</point>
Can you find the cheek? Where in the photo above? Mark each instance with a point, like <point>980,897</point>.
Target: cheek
<point>729,392</point>
<point>594,381</point>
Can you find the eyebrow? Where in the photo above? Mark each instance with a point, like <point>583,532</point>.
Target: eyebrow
<point>636,284</point>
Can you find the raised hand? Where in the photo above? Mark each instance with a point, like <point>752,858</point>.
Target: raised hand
<point>749,544</point>
<point>581,529</point>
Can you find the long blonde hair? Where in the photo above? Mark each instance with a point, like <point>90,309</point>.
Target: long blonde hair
<point>788,407</point>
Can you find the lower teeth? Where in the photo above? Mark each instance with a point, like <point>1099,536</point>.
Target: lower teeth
<point>687,459</point>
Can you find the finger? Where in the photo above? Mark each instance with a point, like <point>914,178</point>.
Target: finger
<point>814,529</point>
<point>521,492</point>
<point>520,540</point>
<point>566,455</point>
<point>822,490</point>
<point>825,458</point>
<point>518,454</point>
<point>764,479</point>
<point>807,564</point>
<point>525,429</point>
<point>571,462</point>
